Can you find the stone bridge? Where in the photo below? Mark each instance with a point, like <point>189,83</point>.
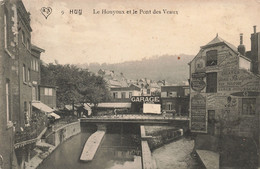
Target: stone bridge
<point>178,121</point>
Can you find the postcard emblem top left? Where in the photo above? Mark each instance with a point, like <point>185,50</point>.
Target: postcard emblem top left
<point>46,11</point>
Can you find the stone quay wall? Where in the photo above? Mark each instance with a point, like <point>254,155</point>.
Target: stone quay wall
<point>160,136</point>
<point>63,133</point>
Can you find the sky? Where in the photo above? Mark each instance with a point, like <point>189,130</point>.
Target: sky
<point>107,38</point>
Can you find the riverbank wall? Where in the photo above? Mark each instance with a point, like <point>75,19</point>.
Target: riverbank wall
<point>161,135</point>
<point>61,134</point>
<point>147,160</point>
<point>51,141</point>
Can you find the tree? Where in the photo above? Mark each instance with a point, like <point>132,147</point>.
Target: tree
<point>75,85</point>
<point>93,89</point>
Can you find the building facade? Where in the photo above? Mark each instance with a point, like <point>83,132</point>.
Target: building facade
<point>175,100</point>
<point>19,86</point>
<point>8,79</point>
<point>224,89</point>
<point>47,95</point>
<point>124,94</point>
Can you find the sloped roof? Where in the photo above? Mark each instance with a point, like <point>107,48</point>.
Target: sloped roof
<point>41,106</point>
<point>218,40</point>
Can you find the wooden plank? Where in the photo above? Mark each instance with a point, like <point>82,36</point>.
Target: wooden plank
<point>209,158</point>
<point>91,146</point>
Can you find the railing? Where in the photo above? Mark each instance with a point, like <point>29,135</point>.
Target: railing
<point>140,116</point>
<point>37,124</point>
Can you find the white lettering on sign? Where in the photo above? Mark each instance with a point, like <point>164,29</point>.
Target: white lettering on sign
<point>145,99</point>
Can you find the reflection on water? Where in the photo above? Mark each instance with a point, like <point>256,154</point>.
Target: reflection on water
<point>120,149</point>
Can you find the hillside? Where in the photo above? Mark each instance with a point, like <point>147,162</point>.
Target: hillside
<point>166,67</point>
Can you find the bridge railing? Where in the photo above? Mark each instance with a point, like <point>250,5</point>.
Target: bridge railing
<point>141,116</point>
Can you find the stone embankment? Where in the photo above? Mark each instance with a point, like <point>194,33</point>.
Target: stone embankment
<point>153,137</point>
<point>45,147</point>
<point>147,159</point>
<point>161,135</point>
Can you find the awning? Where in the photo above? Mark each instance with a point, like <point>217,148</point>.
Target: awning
<point>43,107</point>
<point>113,105</point>
<point>56,116</point>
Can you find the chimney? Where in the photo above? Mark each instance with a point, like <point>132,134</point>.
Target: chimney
<point>241,38</point>
<point>241,48</point>
<point>255,51</point>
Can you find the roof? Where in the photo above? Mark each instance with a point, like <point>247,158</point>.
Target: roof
<point>56,116</point>
<point>43,107</point>
<point>33,47</point>
<point>130,88</point>
<point>218,40</point>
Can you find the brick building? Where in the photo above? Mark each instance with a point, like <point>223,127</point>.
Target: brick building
<point>175,99</point>
<point>20,124</point>
<point>224,85</point>
<point>224,101</point>
<point>8,76</point>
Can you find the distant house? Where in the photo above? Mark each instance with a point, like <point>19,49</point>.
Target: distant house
<point>125,93</point>
<point>175,99</point>
<point>47,95</point>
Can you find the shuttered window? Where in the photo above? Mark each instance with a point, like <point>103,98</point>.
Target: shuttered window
<point>248,106</point>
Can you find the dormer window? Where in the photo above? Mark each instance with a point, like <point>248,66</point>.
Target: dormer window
<point>212,57</point>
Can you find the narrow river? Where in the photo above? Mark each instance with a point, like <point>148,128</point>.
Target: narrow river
<point>120,149</point>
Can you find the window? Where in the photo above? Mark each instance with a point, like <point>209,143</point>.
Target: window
<point>32,64</point>
<point>26,116</point>
<point>34,93</point>
<point>148,91</point>
<point>25,106</point>
<point>8,100</point>
<point>211,82</point>
<point>248,106</point>
<point>115,95</point>
<point>5,29</point>
<point>123,95</point>
<point>30,110</point>
<point>36,66</point>
<point>24,74</point>
<point>172,94</point>
<point>48,91</point>
<point>130,94</point>
<point>212,58</point>
<point>169,106</point>
<point>23,37</point>
<point>29,75</point>
<point>28,44</point>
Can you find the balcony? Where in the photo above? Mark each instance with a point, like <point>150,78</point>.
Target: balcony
<point>32,132</point>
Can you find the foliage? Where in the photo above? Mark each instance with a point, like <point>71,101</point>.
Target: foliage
<point>74,85</point>
<point>156,93</point>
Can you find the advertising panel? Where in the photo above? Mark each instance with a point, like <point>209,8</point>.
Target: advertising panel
<point>152,108</point>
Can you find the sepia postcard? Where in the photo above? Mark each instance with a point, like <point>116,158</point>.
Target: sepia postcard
<point>129,84</point>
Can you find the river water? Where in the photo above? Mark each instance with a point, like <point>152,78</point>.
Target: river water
<point>120,149</point>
